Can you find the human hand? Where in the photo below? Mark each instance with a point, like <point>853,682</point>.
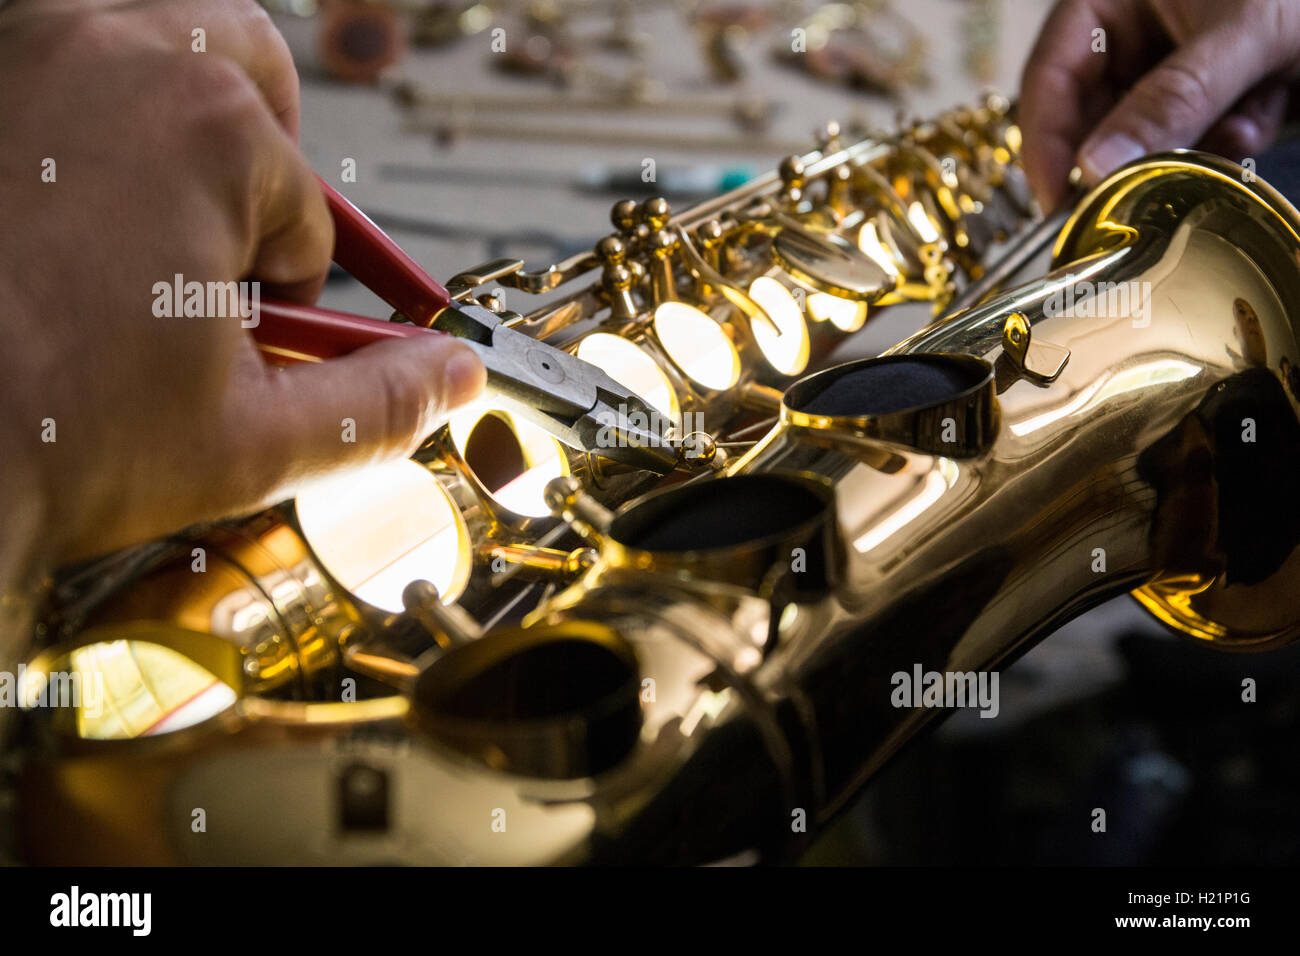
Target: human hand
<point>1172,73</point>
<point>120,425</point>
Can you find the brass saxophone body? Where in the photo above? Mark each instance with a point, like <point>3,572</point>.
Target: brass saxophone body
<point>714,667</point>
<point>1087,453</point>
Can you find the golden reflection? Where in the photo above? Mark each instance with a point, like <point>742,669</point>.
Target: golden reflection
<point>378,528</point>
<point>697,345</point>
<point>845,314</point>
<point>869,242</point>
<point>513,459</point>
<point>933,487</point>
<point>627,364</point>
<point>1140,377</point>
<point>136,689</point>
<point>788,349</point>
<point>922,222</point>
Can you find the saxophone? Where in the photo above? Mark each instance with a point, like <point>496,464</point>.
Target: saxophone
<point>506,652</point>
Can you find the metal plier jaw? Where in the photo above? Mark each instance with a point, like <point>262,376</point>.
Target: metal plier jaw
<point>571,399</point>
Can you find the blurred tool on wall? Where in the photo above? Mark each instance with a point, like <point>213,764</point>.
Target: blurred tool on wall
<point>675,182</point>
<point>866,45</point>
<point>451,116</point>
<point>980,27</point>
<point>357,40</point>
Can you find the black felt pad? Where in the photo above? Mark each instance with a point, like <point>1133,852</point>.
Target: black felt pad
<point>718,514</point>
<point>879,388</point>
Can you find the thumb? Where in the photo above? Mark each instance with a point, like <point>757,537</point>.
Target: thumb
<point>379,402</point>
<point>1177,102</point>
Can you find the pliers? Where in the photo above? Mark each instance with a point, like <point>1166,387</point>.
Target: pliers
<point>571,399</point>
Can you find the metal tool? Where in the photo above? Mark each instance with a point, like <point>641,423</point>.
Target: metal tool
<point>571,399</point>
<point>446,131</point>
<point>693,181</point>
<point>862,45</point>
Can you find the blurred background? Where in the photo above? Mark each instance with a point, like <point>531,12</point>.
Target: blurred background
<point>477,131</point>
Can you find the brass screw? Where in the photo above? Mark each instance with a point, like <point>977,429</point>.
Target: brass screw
<point>494,302</point>
<point>611,250</point>
<point>710,232</point>
<point>792,171</point>
<point>624,215</point>
<point>561,492</point>
<point>656,212</point>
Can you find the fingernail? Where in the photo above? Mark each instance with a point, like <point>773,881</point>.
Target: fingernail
<point>463,376</point>
<point>1100,159</point>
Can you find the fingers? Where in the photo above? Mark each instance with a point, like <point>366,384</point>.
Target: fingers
<point>242,31</point>
<point>295,235</point>
<point>1061,72</point>
<point>239,30</point>
<point>279,227</point>
<point>1253,123</point>
<point>1179,100</point>
<point>379,402</point>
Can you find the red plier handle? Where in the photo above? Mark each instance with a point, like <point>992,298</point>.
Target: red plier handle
<point>287,331</point>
